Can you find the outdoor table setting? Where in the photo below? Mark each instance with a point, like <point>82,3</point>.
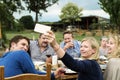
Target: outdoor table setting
<point>40,65</point>
<point>68,74</point>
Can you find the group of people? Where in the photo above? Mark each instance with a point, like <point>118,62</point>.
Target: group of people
<point>22,52</point>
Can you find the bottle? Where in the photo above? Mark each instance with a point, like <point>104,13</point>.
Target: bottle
<point>55,61</point>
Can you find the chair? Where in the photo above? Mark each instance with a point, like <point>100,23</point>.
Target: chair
<point>28,76</point>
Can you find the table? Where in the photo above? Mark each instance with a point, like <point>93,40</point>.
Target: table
<point>68,77</point>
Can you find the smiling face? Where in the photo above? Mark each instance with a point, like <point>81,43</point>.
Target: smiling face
<point>86,49</point>
<point>43,42</point>
<point>21,45</point>
<point>104,42</point>
<point>111,45</point>
<point>89,48</point>
<point>68,38</point>
<point>19,42</point>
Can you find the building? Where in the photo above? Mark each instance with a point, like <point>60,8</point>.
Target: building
<point>87,21</point>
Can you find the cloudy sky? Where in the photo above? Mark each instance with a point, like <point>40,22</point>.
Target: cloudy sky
<point>90,7</point>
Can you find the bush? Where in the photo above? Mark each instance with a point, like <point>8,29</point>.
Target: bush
<point>18,26</point>
<point>27,22</point>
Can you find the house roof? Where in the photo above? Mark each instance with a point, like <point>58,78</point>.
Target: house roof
<point>98,13</point>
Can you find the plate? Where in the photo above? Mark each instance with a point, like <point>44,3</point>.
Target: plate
<point>103,66</point>
<point>69,71</point>
<point>39,65</point>
<point>38,62</point>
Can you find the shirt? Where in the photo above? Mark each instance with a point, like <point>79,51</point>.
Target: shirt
<point>87,69</point>
<point>36,54</point>
<point>74,51</point>
<point>19,62</point>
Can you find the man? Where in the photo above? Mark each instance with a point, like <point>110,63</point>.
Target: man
<point>103,46</point>
<point>40,49</point>
<point>18,61</point>
<point>70,45</point>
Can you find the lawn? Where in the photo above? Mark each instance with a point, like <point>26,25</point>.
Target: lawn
<point>33,35</point>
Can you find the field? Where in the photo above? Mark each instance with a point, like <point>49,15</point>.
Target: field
<point>30,34</point>
<point>59,35</point>
<point>33,35</point>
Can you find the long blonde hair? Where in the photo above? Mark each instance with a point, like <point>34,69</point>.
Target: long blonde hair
<point>94,44</point>
<point>116,53</point>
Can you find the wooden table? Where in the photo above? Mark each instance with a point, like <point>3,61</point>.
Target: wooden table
<point>68,77</point>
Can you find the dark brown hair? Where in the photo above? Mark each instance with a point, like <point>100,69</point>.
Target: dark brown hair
<point>17,38</point>
<point>68,32</point>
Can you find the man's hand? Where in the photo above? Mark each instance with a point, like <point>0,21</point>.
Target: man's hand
<point>59,72</point>
<point>68,45</point>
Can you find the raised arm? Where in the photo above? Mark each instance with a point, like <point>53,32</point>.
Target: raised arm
<point>52,40</point>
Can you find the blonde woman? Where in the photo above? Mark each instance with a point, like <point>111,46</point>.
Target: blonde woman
<point>88,68</point>
<point>112,71</point>
<point>113,46</point>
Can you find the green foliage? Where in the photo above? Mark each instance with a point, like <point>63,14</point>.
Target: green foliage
<point>30,34</point>
<point>13,5</point>
<point>5,15</point>
<point>27,22</point>
<point>83,34</point>
<point>4,35</point>
<point>113,9</point>
<point>18,26</point>
<point>70,13</point>
<point>8,7</point>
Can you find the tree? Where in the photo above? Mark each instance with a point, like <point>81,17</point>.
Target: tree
<point>13,5</point>
<point>7,7</point>
<point>70,13</point>
<point>113,9</point>
<point>27,22</point>
<point>4,17</point>
<point>39,5</point>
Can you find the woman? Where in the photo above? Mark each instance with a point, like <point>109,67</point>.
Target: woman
<point>18,61</point>
<point>103,46</point>
<point>88,68</point>
<point>113,46</point>
<point>112,71</point>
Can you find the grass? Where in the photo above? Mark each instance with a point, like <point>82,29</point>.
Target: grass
<point>33,35</point>
<point>28,33</point>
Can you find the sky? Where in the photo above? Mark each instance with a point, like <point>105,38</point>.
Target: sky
<point>90,7</point>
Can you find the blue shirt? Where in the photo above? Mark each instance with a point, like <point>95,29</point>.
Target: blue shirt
<point>18,62</point>
<point>87,69</point>
<point>74,51</point>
